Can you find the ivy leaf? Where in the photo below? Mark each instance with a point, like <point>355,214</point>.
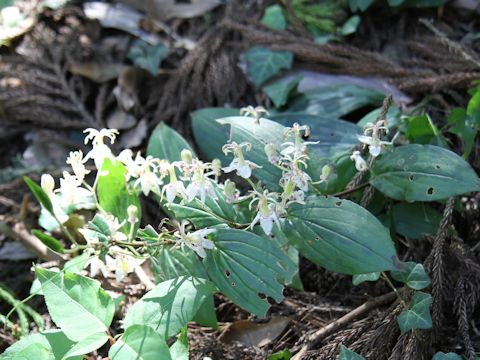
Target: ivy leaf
<point>140,342</point>
<point>39,194</point>
<point>360,278</point>
<point>147,56</point>
<point>446,356</point>
<point>423,173</point>
<point>166,143</point>
<point>319,232</point>
<point>114,196</point>
<point>263,63</point>
<point>418,316</point>
<point>280,91</point>
<point>77,304</point>
<point>413,275</point>
<point>347,354</point>
<point>415,220</point>
<point>170,305</point>
<point>247,268</point>
<point>274,18</point>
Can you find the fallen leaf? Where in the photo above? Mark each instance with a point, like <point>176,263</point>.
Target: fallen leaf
<point>97,72</point>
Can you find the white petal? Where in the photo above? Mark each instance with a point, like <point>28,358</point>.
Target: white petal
<point>267,224</point>
<point>375,150</point>
<point>364,139</point>
<point>200,251</point>
<point>207,244</point>
<point>244,171</point>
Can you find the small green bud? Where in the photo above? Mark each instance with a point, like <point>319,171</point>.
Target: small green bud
<point>230,190</point>
<point>272,152</point>
<point>187,156</point>
<point>132,212</point>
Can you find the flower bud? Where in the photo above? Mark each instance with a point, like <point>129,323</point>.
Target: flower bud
<point>327,170</point>
<point>360,163</point>
<point>187,156</point>
<point>230,190</point>
<point>217,166</point>
<point>272,152</point>
<point>132,212</point>
<point>47,183</point>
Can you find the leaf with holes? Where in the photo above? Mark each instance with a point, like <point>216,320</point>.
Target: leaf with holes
<point>319,230</point>
<point>263,63</point>
<point>166,143</point>
<point>246,268</point>
<point>418,316</point>
<point>423,173</point>
<point>347,354</point>
<point>170,305</point>
<point>413,275</point>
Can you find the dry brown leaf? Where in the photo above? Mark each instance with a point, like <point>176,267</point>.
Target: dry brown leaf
<point>97,72</point>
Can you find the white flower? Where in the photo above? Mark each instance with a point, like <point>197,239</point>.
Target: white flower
<point>70,191</point>
<point>360,163</point>
<point>48,184</point>
<point>298,147</point>
<point>267,207</point>
<point>114,226</point>
<point>96,265</point>
<point>373,142</point>
<point>142,169</point>
<point>175,187</point>
<point>255,112</point>
<point>121,263</point>
<point>243,167</point>
<point>75,159</point>
<point>100,151</point>
<point>200,184</point>
<point>195,240</point>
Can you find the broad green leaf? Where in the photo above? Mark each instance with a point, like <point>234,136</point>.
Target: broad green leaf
<point>246,268</point>
<point>209,135</point>
<point>350,26</point>
<point>418,316</point>
<point>318,230</point>
<point>114,196</point>
<point>360,278</point>
<point>179,349</point>
<point>281,355</point>
<point>421,130</point>
<point>166,143</point>
<point>359,5</point>
<point>50,345</point>
<point>415,220</point>
<point>141,343</point>
<point>147,56</point>
<point>51,242</point>
<point>263,63</point>
<point>39,194</point>
<point>206,315</point>
<point>413,275</point>
<point>77,304</point>
<point>446,356</point>
<point>335,101</point>
<point>280,91</point>
<point>274,18</point>
<point>170,305</point>
<point>87,345</point>
<point>169,263</point>
<point>347,354</point>
<point>465,126</point>
<point>423,173</point>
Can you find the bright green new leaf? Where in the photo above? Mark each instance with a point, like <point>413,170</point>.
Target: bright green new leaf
<point>170,305</point>
<point>280,91</point>
<point>446,356</point>
<point>51,242</point>
<point>421,130</point>
<point>48,345</point>
<point>141,343</point>
<point>347,354</point>
<point>274,18</point>
<point>87,345</point>
<point>418,316</point>
<point>179,349</point>
<point>423,173</point>
<point>39,194</point>
<point>147,56</point>
<point>263,63</point>
<point>114,196</point>
<point>281,355</point>
<point>166,143</point>
<point>350,26</point>
<point>414,220</point>
<point>77,304</point>
<point>246,268</point>
<point>318,230</point>
<point>465,126</point>
<point>360,278</point>
<point>413,275</point>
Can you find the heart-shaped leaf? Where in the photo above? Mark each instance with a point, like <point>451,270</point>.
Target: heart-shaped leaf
<point>418,316</point>
<point>413,275</point>
<point>264,63</point>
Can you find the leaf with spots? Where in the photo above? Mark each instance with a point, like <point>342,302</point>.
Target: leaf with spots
<point>423,173</point>
<point>340,236</point>
<point>247,268</point>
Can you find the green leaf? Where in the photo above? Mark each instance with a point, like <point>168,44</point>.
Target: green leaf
<point>421,130</point>
<point>335,101</point>
<point>205,126</point>
<point>77,304</point>
<point>51,345</point>
<point>263,63</point>
<point>350,26</point>
<point>319,232</point>
<point>49,241</point>
<point>147,56</point>
<point>206,315</point>
<point>179,349</point>
<point>347,354</point>
<point>413,275</point>
<point>446,356</point>
<point>418,316</point>
<point>114,196</point>
<point>170,305</point>
<point>279,92</point>
<point>169,263</point>
<point>246,268</point>
<point>417,3</point>
<point>39,194</point>
<point>362,5</point>
<point>274,18</point>
<point>140,342</point>
<point>87,345</point>
<point>415,220</point>
<point>423,173</point>
<point>393,117</point>
<point>166,143</point>
<point>465,126</point>
<point>360,278</point>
